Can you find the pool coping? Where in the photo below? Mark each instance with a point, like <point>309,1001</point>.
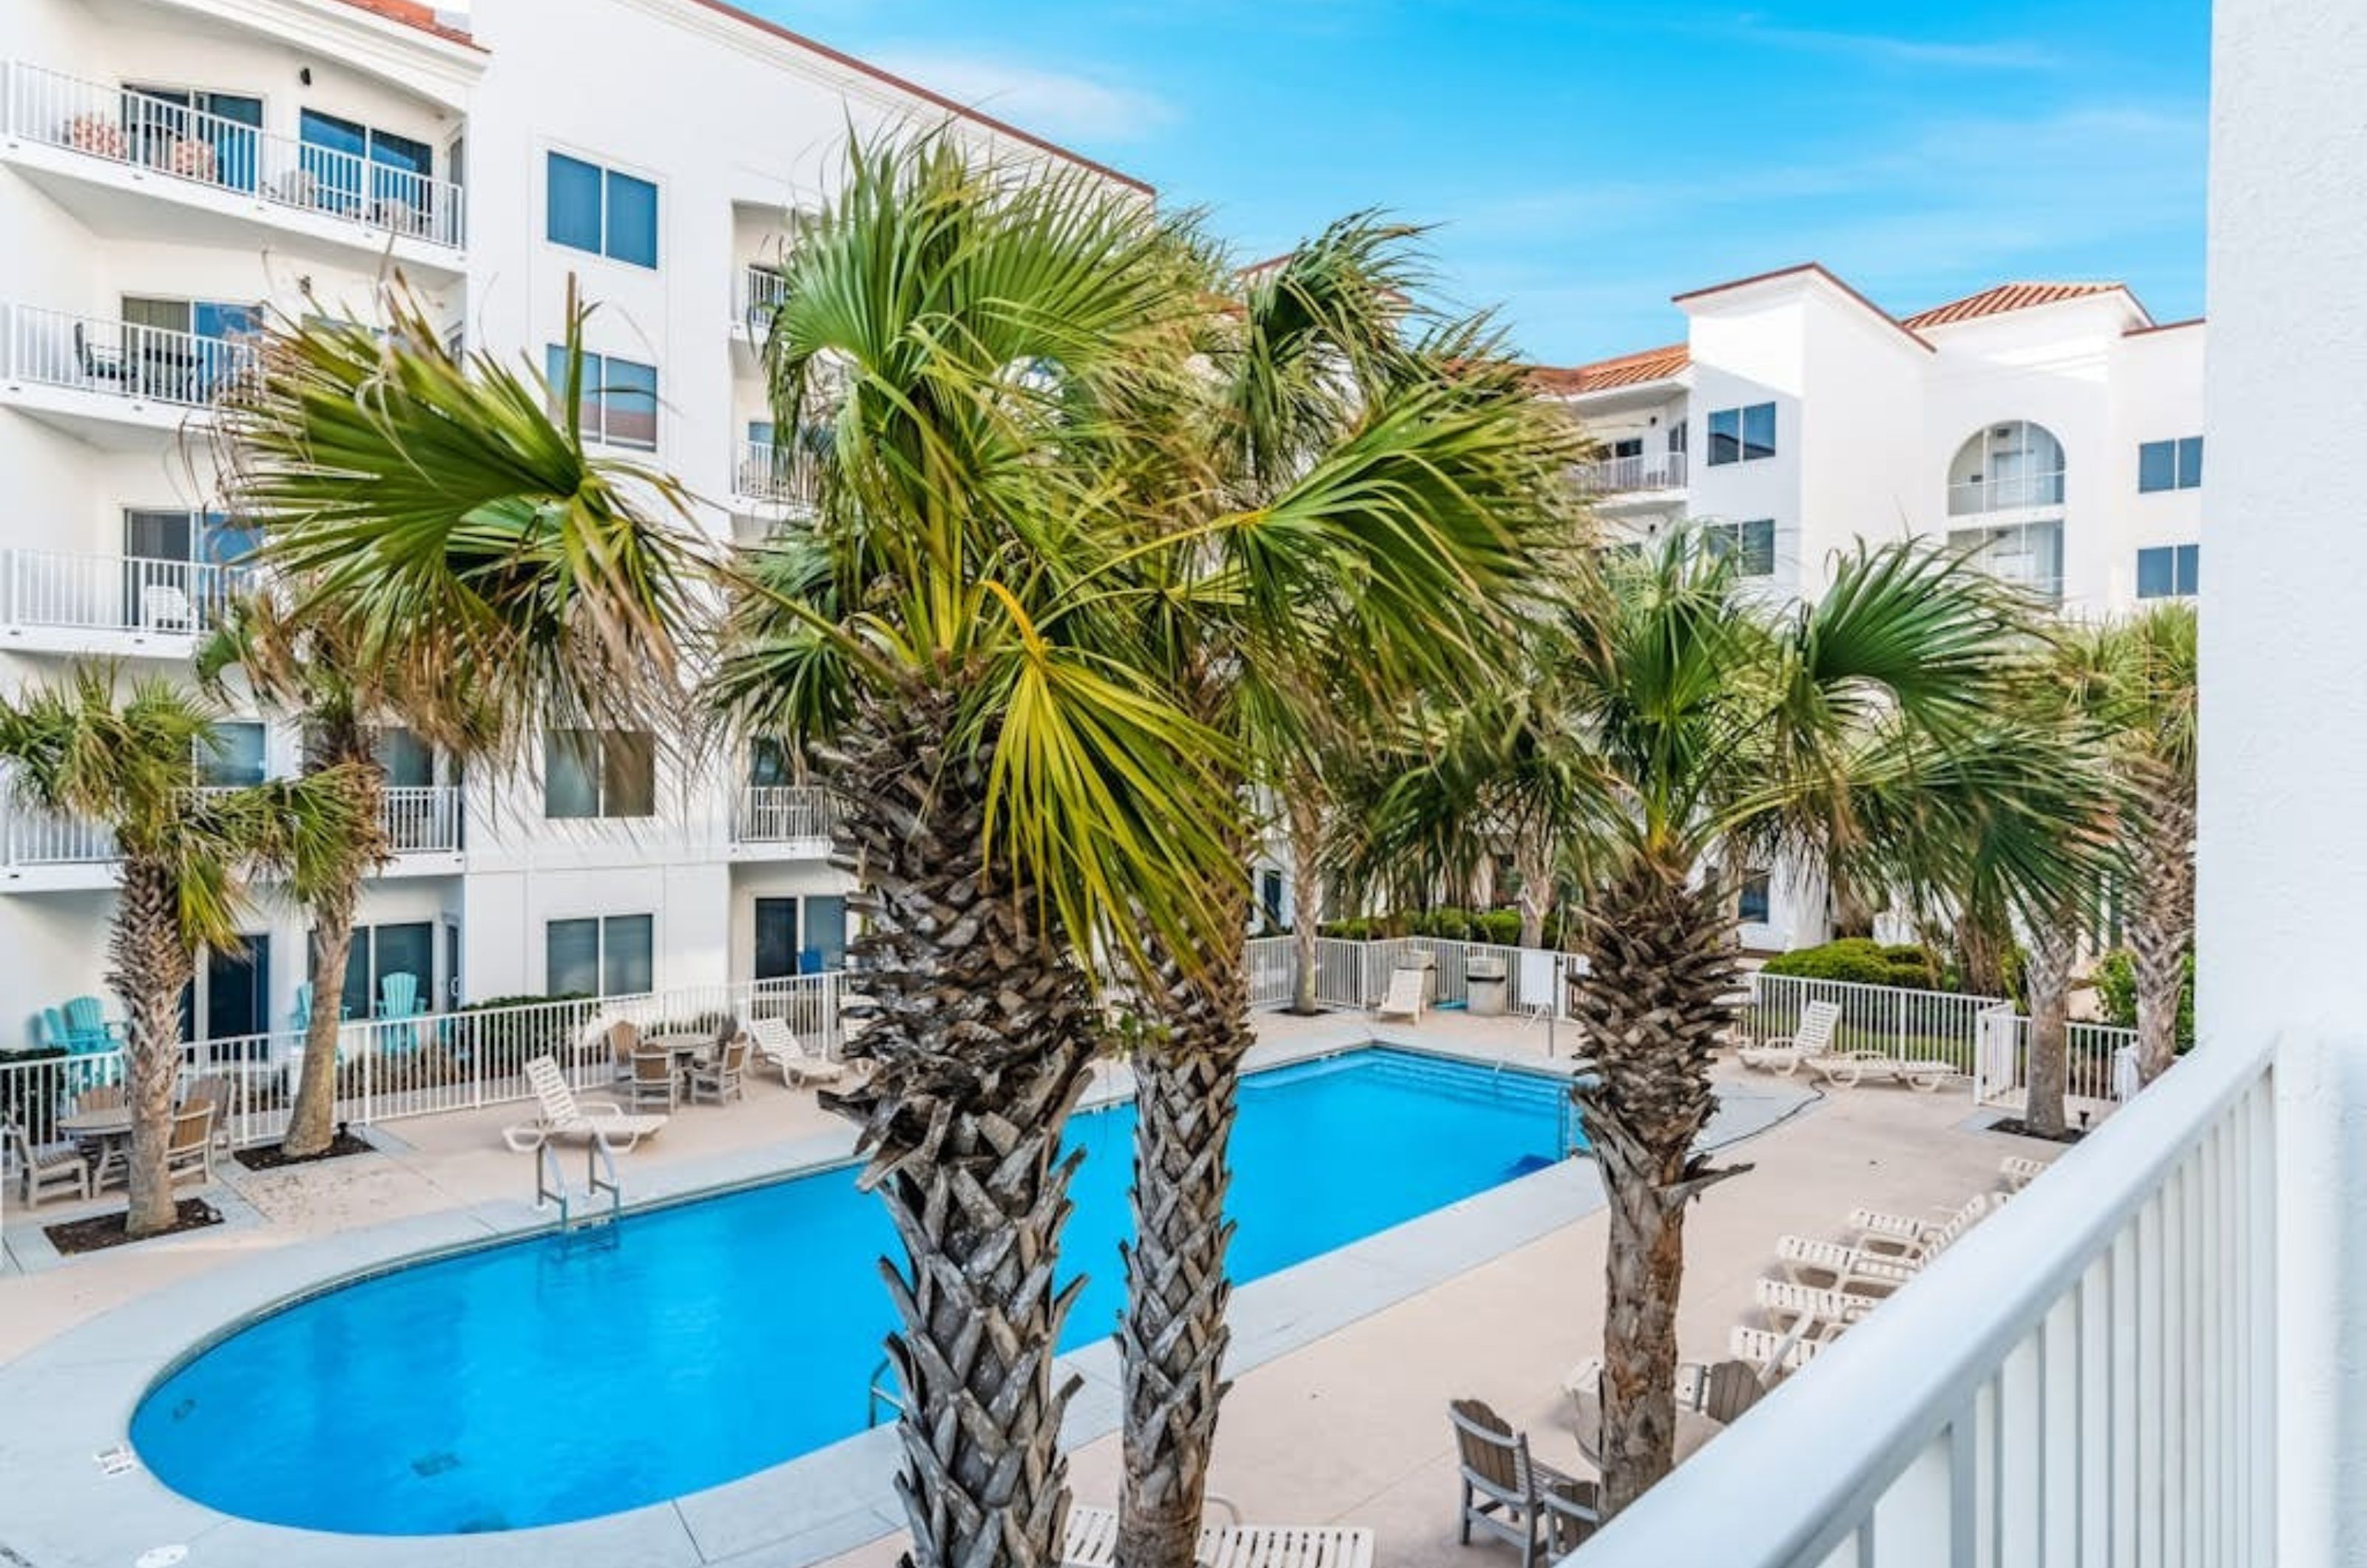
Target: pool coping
<point>64,1511</point>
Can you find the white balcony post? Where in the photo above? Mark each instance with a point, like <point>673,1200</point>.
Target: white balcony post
<point>2282,850</point>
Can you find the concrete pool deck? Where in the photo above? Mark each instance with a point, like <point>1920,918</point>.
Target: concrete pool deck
<point>1343,1364</point>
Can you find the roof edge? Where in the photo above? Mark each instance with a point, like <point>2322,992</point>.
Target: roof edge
<point>1813,269</point>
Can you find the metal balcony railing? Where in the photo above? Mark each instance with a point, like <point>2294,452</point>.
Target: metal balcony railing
<point>417,821</point>
<point>1615,476</point>
<point>760,292</point>
<point>125,593</point>
<point>2006,492</point>
<point>765,471</point>
<point>122,359</point>
<point>783,813</point>
<point>423,820</point>
<point>154,135</point>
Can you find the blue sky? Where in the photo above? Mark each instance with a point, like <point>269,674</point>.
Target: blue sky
<point>1583,162</point>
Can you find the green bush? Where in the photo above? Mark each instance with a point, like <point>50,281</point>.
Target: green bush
<point>2116,993</point>
<point>1861,961</point>
<point>1501,927</point>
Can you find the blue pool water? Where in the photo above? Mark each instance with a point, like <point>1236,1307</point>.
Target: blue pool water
<point>547,1380</point>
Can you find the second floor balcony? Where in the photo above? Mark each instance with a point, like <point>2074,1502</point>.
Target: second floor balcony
<point>765,472</point>
<point>51,602</point>
<point>95,368</point>
<point>794,822</point>
<point>340,182</point>
<point>1640,474</point>
<point>40,853</point>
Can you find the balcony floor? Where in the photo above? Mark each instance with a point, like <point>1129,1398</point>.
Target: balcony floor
<point>1346,1425</point>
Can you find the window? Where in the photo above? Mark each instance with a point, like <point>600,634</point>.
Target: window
<point>2167,571</point>
<point>2027,554</point>
<point>1270,896</point>
<point>1751,904</point>
<point>353,169</point>
<point>598,772</point>
<point>407,761</point>
<point>1625,446</point>
<point>604,956</point>
<point>2006,468</point>
<point>600,210</point>
<point>1677,438</point>
<point>619,397</point>
<point>380,952</point>
<point>232,756</point>
<point>1751,544</point>
<point>209,136</point>
<point>2170,465</point>
<point>1743,434</point>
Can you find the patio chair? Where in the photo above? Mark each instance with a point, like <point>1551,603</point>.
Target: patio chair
<point>399,1000</point>
<point>797,1066</point>
<point>653,1081</point>
<point>1091,1542</point>
<point>2018,1171</point>
<point>1823,1313</point>
<point>1834,1265</point>
<point>1812,1038</point>
<point>87,1027</point>
<point>190,1150</point>
<point>1779,1354</point>
<point>219,1090</point>
<point>300,1017</point>
<point>97,364</point>
<point>1573,1513</point>
<point>165,607</point>
<point>44,1168</point>
<point>1697,1422</point>
<point>100,1097</point>
<point>623,1038</point>
<point>1404,997</point>
<point>564,1116</point>
<point>1502,1487</point>
<point>1897,1235</point>
<point>724,1079</point>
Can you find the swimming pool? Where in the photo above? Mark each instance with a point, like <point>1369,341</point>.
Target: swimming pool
<point>547,1380</point>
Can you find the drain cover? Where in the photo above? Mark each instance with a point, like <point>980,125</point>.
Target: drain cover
<point>436,1464</point>
<point>117,1460</point>
<point>160,1557</point>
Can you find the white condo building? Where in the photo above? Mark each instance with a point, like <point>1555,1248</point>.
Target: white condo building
<point>170,169</point>
<point>2055,429</point>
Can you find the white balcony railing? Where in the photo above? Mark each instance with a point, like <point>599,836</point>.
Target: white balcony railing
<point>768,472</point>
<point>1615,476</point>
<point>423,820</point>
<point>122,359</point>
<point>783,813</point>
<point>2006,492</point>
<point>117,125</point>
<point>2089,1378</point>
<point>115,594</point>
<point>760,292</point>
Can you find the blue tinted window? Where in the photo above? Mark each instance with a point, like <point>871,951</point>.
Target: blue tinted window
<point>574,197</point>
<point>2168,571</point>
<point>1724,436</point>
<point>629,395</point>
<point>571,958</point>
<point>1758,431</point>
<point>625,966</point>
<point>2157,466</point>
<point>1752,907</point>
<point>588,400</point>
<point>1751,544</point>
<point>633,219</point>
<point>2153,574</point>
<point>2189,462</point>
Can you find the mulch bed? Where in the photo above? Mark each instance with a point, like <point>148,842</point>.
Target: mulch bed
<point>274,1157</point>
<point>2068,1136</point>
<point>103,1230</point>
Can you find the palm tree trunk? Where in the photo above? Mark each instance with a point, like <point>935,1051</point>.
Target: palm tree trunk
<point>149,965</point>
<point>1533,862</point>
<point>311,1123</point>
<point>1984,938</point>
<point>1172,1334</point>
<point>1306,897</point>
<point>1661,964</point>
<point>2053,950</point>
<point>979,1031</point>
<point>2161,922</point>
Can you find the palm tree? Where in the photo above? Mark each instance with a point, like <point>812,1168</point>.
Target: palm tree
<point>2147,703</point>
<point>1378,500</point>
<point>955,646</point>
<point>1703,730</point>
<point>300,652</point>
<point>188,859</point>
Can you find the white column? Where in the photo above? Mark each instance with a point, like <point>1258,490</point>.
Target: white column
<point>2283,838</point>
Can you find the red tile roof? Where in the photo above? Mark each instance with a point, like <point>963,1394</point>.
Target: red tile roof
<point>2003,298</point>
<point>1626,370</point>
<point>412,14</point>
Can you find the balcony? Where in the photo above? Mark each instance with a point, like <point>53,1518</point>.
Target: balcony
<point>107,140</point>
<point>1631,476</point>
<point>2089,1377</point>
<point>95,375</point>
<point>40,854</point>
<point>2006,492</point>
<point>792,821</point>
<point>778,476</point>
<point>123,605</point>
<point>760,292</point>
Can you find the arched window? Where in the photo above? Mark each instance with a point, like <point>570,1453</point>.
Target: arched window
<point>2005,468</point>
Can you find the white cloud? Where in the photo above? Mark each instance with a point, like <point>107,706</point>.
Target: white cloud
<point>1048,103</point>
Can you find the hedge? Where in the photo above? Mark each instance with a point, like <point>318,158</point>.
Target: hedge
<point>1863,961</point>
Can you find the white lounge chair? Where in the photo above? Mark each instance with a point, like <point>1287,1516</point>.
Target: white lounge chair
<point>1899,1236</point>
<point>779,1044</point>
<point>1786,1306</point>
<point>1403,999</point>
<point>1833,1266</point>
<point>2018,1171</point>
<point>564,1116</point>
<point>1092,1543</point>
<point>1847,1070</point>
<point>1776,1352</point>
<point>1812,1039</point>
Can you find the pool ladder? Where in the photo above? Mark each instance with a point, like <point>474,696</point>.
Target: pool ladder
<point>599,1176</point>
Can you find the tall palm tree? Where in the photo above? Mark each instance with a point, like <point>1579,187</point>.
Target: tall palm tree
<point>1378,500</point>
<point>2147,704</point>
<point>188,859</point>
<point>299,653</point>
<point>954,645</point>
<point>1706,730</point>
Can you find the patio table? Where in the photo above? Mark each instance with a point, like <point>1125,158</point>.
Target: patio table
<point>101,1131</point>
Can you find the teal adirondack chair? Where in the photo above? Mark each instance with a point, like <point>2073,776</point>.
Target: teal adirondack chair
<point>56,1033</point>
<point>399,998</point>
<point>300,1017</point>
<point>86,1026</point>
